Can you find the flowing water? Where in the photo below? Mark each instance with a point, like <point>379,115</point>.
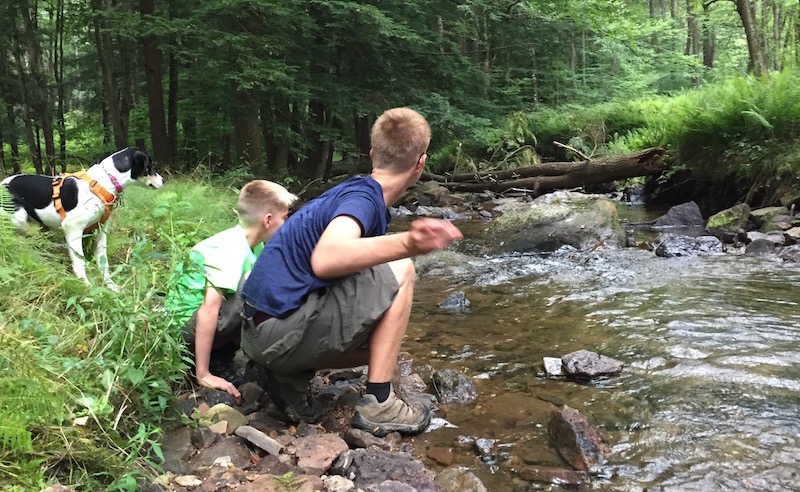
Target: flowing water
<point>710,395</point>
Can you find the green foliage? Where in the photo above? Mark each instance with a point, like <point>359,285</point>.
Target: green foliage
<point>87,375</point>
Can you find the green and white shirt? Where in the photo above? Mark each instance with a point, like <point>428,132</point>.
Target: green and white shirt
<point>219,261</point>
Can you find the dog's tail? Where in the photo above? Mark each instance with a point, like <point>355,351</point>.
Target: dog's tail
<point>6,200</point>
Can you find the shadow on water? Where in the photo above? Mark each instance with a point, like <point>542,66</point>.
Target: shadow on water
<point>710,395</point>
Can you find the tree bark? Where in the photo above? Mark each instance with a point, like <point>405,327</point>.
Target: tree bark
<point>155,89</point>
<point>111,93</point>
<point>754,47</point>
<point>24,84</point>
<point>39,95</point>
<point>173,93</point>
<point>58,73</point>
<point>247,135</point>
<point>559,175</point>
<point>314,165</point>
<point>12,135</point>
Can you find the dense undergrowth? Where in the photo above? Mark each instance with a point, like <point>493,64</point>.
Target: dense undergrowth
<point>744,131</point>
<point>86,375</point>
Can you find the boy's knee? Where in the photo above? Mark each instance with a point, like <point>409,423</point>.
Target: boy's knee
<point>404,271</point>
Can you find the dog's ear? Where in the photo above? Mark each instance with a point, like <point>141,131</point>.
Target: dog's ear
<point>141,165</point>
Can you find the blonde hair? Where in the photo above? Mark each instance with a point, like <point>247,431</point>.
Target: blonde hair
<point>399,138</point>
<point>261,197</point>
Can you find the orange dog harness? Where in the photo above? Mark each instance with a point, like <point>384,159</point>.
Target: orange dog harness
<point>108,199</point>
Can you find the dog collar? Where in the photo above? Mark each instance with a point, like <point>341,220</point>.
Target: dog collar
<point>116,184</point>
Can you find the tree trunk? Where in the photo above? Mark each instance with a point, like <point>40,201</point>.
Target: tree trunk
<point>12,135</point>
<point>172,108</point>
<point>111,92</point>
<point>709,39</point>
<point>363,143</point>
<point>24,84</point>
<point>173,93</point>
<point>777,22</point>
<point>247,134</point>
<point>39,96</point>
<point>754,48</point>
<point>559,175</point>
<point>58,72</point>
<point>313,166</point>
<point>155,89</point>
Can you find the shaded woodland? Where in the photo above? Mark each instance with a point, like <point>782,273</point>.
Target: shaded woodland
<point>283,88</point>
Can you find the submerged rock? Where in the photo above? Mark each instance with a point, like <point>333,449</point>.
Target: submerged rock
<point>456,302</point>
<point>557,476</point>
<point>577,441</point>
<point>453,387</point>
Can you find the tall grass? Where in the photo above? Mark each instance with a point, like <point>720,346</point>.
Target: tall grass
<point>87,375</point>
<point>743,127</point>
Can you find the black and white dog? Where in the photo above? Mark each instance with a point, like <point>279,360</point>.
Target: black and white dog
<point>78,202</point>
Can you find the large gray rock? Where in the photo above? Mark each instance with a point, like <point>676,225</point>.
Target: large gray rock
<point>672,245</point>
<point>684,215</point>
<point>557,219</point>
<point>373,468</point>
<point>586,364</point>
<point>762,217</point>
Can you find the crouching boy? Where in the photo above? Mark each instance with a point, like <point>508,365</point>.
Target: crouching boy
<point>203,294</point>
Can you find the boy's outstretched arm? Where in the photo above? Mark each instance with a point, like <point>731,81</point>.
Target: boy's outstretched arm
<point>341,250</point>
<point>205,331</point>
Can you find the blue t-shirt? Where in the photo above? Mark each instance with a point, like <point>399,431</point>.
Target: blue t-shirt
<point>282,277</point>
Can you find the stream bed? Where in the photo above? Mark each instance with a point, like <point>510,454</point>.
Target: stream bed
<point>710,395</point>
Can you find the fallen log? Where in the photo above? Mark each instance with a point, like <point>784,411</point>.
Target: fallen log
<point>558,175</point>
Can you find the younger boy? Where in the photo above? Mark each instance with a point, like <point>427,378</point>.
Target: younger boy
<point>203,295</point>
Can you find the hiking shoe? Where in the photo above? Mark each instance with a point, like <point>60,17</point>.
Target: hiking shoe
<point>290,393</point>
<point>393,415</point>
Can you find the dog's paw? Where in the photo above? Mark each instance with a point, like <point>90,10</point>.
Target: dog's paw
<point>112,287</point>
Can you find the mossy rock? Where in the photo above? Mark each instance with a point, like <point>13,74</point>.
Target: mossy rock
<point>731,219</point>
<point>557,219</point>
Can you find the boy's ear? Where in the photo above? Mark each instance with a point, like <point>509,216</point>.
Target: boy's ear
<point>266,221</point>
<point>421,163</point>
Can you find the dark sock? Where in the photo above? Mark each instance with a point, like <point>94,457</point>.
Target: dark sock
<point>379,390</point>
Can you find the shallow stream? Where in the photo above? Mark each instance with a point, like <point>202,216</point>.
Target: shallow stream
<point>710,395</point>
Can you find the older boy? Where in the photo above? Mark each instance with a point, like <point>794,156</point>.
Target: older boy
<point>332,290</point>
<point>204,296</point>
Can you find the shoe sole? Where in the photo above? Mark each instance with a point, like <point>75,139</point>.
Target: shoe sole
<point>385,428</point>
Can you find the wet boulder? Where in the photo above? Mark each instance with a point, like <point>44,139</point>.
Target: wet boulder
<point>775,237</point>
<point>576,440</point>
<point>557,219</point>
<point>760,247</point>
<point>790,254</point>
<point>684,215</point>
<point>672,245</point>
<point>585,364</point>
<point>373,467</point>
<point>727,223</point>
<point>763,217</point>
<point>453,387</point>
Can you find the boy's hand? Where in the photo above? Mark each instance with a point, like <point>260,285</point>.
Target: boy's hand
<point>215,382</point>
<point>432,234</point>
